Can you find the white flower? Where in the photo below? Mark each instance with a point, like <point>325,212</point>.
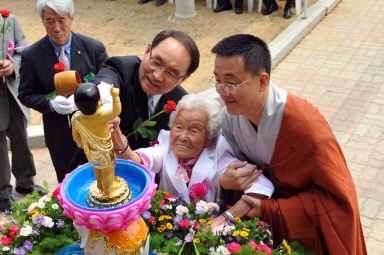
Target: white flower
<point>223,250</point>
<point>180,210</point>
<point>26,231</point>
<point>5,248</point>
<point>47,199</point>
<point>228,229</point>
<point>41,204</point>
<point>42,199</point>
<point>31,207</point>
<point>55,206</point>
<point>169,207</point>
<point>202,206</point>
<point>48,222</point>
<point>213,206</point>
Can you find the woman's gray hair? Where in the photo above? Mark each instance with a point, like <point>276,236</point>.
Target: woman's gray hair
<point>61,7</point>
<point>210,106</point>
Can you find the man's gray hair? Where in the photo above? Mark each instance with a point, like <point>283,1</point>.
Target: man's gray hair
<point>61,7</point>
<point>210,106</point>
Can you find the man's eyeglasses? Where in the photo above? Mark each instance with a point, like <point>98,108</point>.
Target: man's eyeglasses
<point>229,88</point>
<point>155,63</point>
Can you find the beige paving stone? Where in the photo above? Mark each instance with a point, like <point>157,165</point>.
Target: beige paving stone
<point>370,208</point>
<point>377,230</point>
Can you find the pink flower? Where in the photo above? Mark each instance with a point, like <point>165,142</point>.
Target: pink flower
<point>197,225</point>
<point>14,229</point>
<point>234,247</point>
<point>185,224</point>
<point>6,240</point>
<point>266,249</point>
<point>151,219</point>
<point>162,202</point>
<point>2,228</point>
<point>254,245</point>
<point>198,191</point>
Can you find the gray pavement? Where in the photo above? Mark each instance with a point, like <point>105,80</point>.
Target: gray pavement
<point>338,67</point>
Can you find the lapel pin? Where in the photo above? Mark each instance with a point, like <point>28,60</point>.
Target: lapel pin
<point>78,52</point>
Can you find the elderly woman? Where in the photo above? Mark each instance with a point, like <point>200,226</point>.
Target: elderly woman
<point>192,152</point>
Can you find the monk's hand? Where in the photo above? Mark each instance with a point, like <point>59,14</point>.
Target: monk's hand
<point>235,179</point>
<point>6,68</point>
<point>255,204</point>
<point>114,91</point>
<point>114,124</point>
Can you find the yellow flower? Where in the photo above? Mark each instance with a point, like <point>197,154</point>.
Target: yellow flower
<point>287,246</point>
<point>246,229</point>
<point>160,230</point>
<point>166,193</point>
<point>169,225</point>
<point>161,218</point>
<point>44,213</point>
<point>154,222</point>
<point>33,211</point>
<point>196,240</point>
<point>156,210</point>
<point>244,234</point>
<point>202,220</point>
<point>238,219</point>
<point>158,192</point>
<point>209,222</point>
<point>168,217</point>
<point>236,233</point>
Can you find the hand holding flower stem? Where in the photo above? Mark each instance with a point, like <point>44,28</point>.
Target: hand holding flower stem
<point>5,14</point>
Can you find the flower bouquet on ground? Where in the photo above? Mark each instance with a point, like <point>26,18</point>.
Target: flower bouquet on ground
<point>36,226</point>
<point>180,228</point>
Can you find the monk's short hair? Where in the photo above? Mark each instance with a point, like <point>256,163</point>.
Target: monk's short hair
<point>87,97</point>
<point>254,51</point>
<point>186,40</point>
<point>209,105</point>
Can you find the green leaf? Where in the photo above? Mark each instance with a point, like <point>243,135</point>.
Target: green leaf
<point>51,96</point>
<point>137,123</point>
<point>149,123</point>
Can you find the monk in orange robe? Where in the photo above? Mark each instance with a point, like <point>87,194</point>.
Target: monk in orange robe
<point>315,200</point>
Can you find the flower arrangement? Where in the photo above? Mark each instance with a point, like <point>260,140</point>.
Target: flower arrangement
<point>140,126</point>
<point>180,228</point>
<point>36,226</point>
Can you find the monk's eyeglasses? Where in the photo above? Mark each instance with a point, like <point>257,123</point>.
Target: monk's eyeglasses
<point>228,87</point>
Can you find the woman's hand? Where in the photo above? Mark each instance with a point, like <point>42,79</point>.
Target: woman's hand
<point>234,179</point>
<point>114,124</point>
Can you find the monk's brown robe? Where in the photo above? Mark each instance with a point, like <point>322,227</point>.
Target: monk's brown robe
<point>317,203</point>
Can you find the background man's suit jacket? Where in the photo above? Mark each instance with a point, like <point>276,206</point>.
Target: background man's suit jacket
<point>37,80</point>
<point>14,33</point>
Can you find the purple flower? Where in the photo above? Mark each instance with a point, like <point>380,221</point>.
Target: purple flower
<point>177,220</point>
<point>169,234</point>
<point>18,251</point>
<point>230,238</point>
<point>28,246</point>
<point>35,231</point>
<point>179,242</point>
<point>38,220</point>
<point>188,238</point>
<point>146,215</point>
<point>212,249</point>
<point>60,224</point>
<point>198,212</point>
<point>179,196</point>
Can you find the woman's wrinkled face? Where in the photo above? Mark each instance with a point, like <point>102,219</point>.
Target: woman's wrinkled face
<point>189,134</point>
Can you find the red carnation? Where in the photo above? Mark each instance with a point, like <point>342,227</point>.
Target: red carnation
<point>152,143</point>
<point>197,225</point>
<point>170,106</point>
<point>185,224</point>
<point>59,67</point>
<point>56,192</point>
<point>198,191</point>
<point>5,13</point>
<point>6,240</point>
<point>14,229</point>
<point>234,247</point>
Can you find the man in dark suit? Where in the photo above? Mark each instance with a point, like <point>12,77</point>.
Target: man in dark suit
<point>81,53</point>
<point>168,61</point>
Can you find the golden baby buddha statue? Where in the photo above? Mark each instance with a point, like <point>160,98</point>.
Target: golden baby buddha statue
<point>90,132</point>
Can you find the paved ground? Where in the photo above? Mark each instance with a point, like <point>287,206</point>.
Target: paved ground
<point>339,67</point>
